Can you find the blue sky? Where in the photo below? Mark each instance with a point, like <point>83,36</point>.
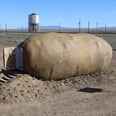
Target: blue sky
<point>67,12</point>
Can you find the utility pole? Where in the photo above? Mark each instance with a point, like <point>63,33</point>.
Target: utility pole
<point>97,26</point>
<point>5,27</point>
<point>79,26</point>
<point>22,27</point>
<point>88,26</point>
<point>59,26</point>
<point>105,28</point>
<point>0,28</point>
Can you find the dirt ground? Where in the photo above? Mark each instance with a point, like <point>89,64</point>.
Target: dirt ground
<point>86,99</point>
<point>91,95</point>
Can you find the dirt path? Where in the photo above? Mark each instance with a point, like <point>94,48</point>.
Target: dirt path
<point>71,103</point>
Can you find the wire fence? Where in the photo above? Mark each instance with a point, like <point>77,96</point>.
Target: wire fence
<point>60,29</point>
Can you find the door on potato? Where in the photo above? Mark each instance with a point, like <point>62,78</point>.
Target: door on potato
<point>12,58</point>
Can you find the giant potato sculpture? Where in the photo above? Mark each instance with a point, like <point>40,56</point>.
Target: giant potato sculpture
<point>58,56</point>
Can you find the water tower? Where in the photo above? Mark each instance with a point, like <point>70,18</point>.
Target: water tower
<point>33,22</point>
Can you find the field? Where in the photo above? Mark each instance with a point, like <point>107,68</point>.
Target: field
<point>87,95</point>
<point>13,39</point>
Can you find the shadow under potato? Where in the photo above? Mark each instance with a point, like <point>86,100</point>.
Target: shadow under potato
<point>90,90</point>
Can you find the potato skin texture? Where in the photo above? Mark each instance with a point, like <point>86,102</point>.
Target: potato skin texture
<point>60,55</point>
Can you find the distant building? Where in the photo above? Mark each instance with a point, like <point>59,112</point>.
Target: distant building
<point>33,22</point>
